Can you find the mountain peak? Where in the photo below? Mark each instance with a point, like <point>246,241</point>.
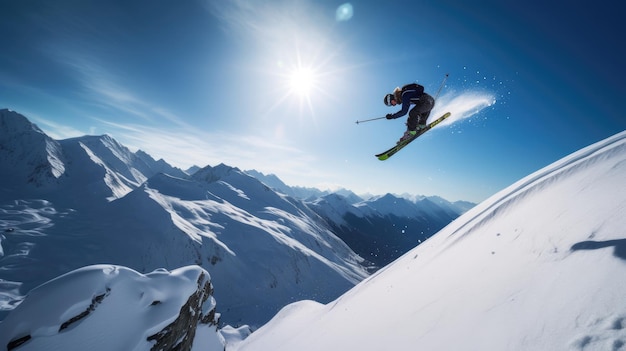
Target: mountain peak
<point>12,122</point>
<point>27,154</point>
<point>92,164</point>
<point>212,174</point>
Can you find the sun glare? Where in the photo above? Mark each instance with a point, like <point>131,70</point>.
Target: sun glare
<point>304,74</point>
<point>301,81</point>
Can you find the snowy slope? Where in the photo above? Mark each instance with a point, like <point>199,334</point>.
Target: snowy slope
<point>107,307</point>
<point>262,250</point>
<point>538,266</point>
<point>103,168</point>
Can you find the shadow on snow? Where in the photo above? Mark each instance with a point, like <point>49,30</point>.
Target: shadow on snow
<point>619,244</point>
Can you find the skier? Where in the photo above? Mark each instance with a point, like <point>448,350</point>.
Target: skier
<point>411,94</point>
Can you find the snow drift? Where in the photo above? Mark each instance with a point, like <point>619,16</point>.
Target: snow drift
<point>538,266</point>
<point>107,307</point>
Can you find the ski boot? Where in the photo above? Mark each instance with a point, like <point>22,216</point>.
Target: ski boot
<point>407,135</point>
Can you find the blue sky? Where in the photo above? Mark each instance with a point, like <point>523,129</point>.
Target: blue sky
<point>208,82</point>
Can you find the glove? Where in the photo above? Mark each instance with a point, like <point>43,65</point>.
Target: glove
<point>389,116</point>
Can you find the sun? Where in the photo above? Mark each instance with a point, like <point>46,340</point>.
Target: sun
<point>302,80</point>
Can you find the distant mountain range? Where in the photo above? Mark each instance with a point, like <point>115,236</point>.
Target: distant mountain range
<point>378,228</point>
<point>303,193</point>
<point>65,204</point>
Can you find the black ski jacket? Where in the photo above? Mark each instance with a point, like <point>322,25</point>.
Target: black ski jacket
<point>410,94</point>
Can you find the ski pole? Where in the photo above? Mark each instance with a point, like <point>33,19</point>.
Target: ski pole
<point>441,86</point>
<point>368,120</point>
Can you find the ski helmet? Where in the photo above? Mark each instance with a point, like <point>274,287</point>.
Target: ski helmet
<point>388,99</point>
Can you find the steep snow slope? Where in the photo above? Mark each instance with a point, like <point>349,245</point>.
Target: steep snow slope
<point>262,249</point>
<point>538,266</point>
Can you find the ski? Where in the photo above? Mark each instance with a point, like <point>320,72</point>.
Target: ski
<point>385,155</point>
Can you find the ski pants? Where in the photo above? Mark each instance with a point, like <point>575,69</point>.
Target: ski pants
<point>419,114</point>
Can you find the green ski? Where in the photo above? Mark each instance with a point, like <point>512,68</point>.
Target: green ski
<point>385,155</point>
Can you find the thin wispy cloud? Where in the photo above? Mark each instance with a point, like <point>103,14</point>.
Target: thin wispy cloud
<point>102,87</point>
<point>55,130</point>
<point>263,19</point>
<point>186,147</point>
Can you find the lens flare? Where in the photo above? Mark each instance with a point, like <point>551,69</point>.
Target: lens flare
<point>344,12</point>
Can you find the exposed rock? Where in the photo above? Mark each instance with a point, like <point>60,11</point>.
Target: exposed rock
<point>179,335</point>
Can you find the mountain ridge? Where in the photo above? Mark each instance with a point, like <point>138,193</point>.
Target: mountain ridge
<point>112,205</point>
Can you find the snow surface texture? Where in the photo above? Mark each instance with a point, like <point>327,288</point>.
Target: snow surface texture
<point>538,266</point>
<point>108,307</point>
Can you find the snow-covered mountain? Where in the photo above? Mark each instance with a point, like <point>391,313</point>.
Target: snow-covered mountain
<point>272,181</point>
<point>379,228</point>
<point>95,167</point>
<point>383,228</point>
<point>538,266</point>
<point>27,154</point>
<point>92,201</point>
